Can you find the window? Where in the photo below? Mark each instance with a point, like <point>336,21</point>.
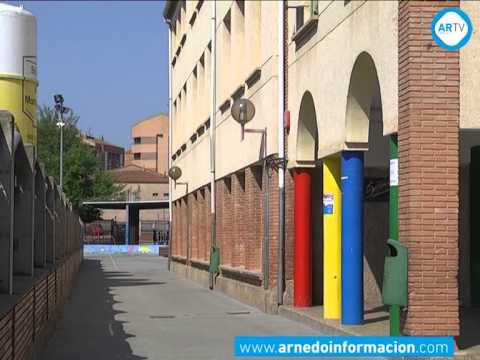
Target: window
<point>160,135</point>
<point>165,194</point>
<point>155,194</point>
<point>299,17</point>
<point>137,140</point>
<point>137,156</point>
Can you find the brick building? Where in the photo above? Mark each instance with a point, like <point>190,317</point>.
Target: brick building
<point>150,144</point>
<point>361,78</point>
<point>112,156</point>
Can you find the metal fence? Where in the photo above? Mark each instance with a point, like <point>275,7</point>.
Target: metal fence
<point>155,232</point>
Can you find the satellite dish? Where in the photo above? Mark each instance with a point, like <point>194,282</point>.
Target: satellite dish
<point>175,173</point>
<point>243,111</point>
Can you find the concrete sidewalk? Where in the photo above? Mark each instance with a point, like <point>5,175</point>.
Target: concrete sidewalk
<point>131,307</point>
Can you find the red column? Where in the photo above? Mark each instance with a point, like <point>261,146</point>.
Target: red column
<point>303,239</point>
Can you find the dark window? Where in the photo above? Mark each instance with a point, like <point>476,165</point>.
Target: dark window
<point>137,140</point>
<point>160,135</point>
<point>299,18</point>
<point>165,194</point>
<point>137,156</point>
<point>155,194</point>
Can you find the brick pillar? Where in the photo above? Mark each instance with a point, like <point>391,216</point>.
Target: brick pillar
<point>202,223</point>
<point>219,189</point>
<point>194,204</point>
<point>227,222</point>
<point>175,228</point>
<point>428,165</point>
<point>254,214</point>
<point>183,249</point>
<point>239,214</point>
<point>178,244</point>
<point>273,225</point>
<point>190,198</point>
<point>289,224</point>
<point>208,226</point>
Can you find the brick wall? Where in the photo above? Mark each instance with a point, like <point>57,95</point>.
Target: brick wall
<point>428,165</point>
<point>240,222</point>
<point>28,321</point>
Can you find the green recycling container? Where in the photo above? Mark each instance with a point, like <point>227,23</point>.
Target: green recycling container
<point>394,291</point>
<point>214,260</point>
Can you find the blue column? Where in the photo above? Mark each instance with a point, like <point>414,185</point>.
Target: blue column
<point>127,225</point>
<point>352,238</point>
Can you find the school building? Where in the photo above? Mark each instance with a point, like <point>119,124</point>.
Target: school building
<point>364,130</point>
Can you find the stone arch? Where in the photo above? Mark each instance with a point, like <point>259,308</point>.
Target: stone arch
<point>363,95</point>
<point>307,134</point>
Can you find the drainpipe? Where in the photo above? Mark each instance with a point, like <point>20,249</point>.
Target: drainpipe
<point>213,94</point>
<point>281,150</point>
<point>170,187</point>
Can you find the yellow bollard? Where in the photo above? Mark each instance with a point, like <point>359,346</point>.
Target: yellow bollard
<point>332,236</point>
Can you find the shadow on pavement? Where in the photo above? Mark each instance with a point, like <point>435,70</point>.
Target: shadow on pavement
<point>88,329</point>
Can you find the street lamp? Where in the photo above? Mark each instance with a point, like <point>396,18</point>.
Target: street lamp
<point>243,111</point>
<point>60,110</point>
<point>175,173</point>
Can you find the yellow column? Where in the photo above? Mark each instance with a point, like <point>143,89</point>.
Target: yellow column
<point>332,235</point>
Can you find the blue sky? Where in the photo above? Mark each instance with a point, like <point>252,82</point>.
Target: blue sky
<point>108,59</point>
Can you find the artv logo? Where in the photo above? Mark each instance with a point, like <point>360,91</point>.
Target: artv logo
<point>451,28</point>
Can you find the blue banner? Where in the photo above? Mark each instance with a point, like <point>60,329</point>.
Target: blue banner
<point>345,346</point>
<point>121,249</point>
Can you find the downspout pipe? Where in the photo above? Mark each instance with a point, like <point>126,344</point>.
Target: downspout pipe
<point>213,126</point>
<point>281,151</point>
<point>170,131</point>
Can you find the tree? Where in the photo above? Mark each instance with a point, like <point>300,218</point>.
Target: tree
<point>83,178</point>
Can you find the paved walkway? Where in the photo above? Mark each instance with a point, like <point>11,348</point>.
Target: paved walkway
<point>130,307</point>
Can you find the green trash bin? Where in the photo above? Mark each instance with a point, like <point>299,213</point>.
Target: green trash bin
<point>395,276</point>
<point>214,260</point>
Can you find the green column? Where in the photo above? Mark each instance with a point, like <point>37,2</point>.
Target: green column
<point>393,223</point>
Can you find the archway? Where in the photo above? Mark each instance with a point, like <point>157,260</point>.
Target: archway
<point>308,271</point>
<point>365,191</point>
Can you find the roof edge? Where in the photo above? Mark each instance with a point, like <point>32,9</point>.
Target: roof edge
<point>159,114</point>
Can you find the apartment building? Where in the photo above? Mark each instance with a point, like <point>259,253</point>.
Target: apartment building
<point>381,141</point>
<point>111,156</point>
<point>150,143</point>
